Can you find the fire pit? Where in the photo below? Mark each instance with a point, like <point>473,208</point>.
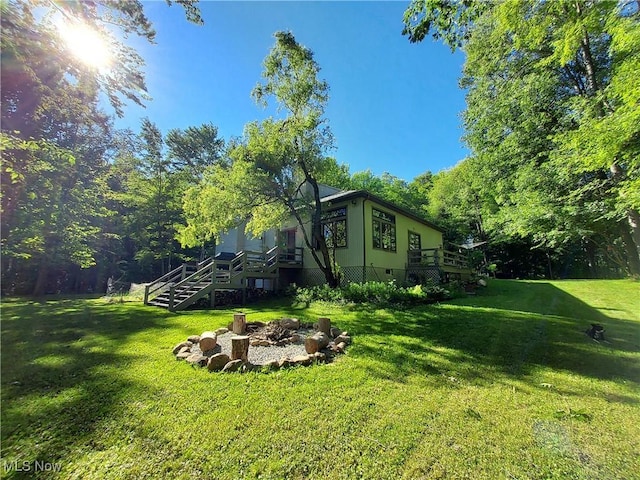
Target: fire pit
<point>244,346</point>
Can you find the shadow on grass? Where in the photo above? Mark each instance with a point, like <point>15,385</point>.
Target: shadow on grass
<point>60,374</point>
<point>511,329</point>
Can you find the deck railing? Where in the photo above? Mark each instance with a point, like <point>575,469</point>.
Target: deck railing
<point>179,285</point>
<point>436,257</point>
<point>455,259</point>
<point>291,256</point>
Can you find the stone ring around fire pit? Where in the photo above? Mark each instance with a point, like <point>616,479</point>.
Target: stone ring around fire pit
<point>245,346</point>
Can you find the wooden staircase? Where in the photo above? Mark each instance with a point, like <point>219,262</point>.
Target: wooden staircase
<point>187,284</point>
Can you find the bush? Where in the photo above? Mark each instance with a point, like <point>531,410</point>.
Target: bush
<point>376,293</point>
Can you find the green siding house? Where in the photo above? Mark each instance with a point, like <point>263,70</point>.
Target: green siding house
<point>375,240</point>
<point>372,240</point>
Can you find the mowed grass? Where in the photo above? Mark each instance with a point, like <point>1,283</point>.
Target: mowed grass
<point>501,385</point>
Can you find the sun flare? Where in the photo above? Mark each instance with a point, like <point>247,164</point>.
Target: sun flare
<point>87,45</point>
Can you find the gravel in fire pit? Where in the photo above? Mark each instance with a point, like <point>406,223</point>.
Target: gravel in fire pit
<point>278,343</point>
<point>262,355</point>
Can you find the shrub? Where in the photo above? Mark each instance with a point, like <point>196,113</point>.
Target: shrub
<point>376,293</point>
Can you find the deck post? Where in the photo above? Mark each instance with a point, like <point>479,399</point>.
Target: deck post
<point>243,280</point>
<point>146,294</point>
<point>172,294</point>
<point>183,274</point>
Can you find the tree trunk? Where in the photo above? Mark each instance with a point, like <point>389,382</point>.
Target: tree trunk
<point>316,342</point>
<point>633,217</point>
<point>326,265</point>
<point>239,323</point>
<point>240,348</point>
<point>208,341</point>
<point>41,282</point>
<point>631,249</point>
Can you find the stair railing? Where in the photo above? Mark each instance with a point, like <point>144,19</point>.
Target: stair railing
<point>455,259</point>
<point>160,285</point>
<point>204,262</point>
<point>271,259</point>
<point>238,266</point>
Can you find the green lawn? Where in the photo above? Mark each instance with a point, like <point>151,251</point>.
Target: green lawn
<point>501,385</point>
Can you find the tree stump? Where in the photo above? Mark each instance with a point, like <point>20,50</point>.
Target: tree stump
<point>208,341</point>
<point>239,323</point>
<point>316,342</point>
<point>596,331</point>
<point>240,348</point>
<point>324,325</point>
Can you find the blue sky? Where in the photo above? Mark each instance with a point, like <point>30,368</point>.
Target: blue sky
<point>393,107</point>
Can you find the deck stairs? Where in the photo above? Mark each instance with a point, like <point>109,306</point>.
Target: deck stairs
<point>187,284</point>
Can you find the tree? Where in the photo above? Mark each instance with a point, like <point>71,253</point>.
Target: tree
<point>456,200</point>
<point>274,170</point>
<point>154,172</point>
<point>55,139</point>
<point>194,149</point>
<point>391,188</point>
<point>334,174</point>
<point>124,81</point>
<point>552,117</point>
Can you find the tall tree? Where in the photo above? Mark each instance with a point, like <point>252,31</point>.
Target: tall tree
<point>391,188</point>
<point>275,168</point>
<point>155,171</point>
<point>193,149</point>
<point>55,139</point>
<point>552,115</point>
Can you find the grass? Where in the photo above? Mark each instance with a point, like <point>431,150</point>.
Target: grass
<point>501,385</point>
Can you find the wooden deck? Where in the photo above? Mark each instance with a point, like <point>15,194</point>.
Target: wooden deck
<point>444,261</point>
<point>189,283</point>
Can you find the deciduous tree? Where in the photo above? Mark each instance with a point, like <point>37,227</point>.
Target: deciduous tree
<point>274,170</point>
<point>55,138</point>
<point>552,115</point>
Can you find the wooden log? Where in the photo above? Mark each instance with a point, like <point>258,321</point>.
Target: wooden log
<point>208,341</point>
<point>316,342</point>
<point>240,347</point>
<point>239,323</point>
<point>324,325</point>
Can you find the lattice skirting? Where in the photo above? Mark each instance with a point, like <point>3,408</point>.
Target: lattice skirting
<point>423,276</point>
<point>314,276</point>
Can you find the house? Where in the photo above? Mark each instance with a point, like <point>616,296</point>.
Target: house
<point>375,240</point>
<point>371,239</point>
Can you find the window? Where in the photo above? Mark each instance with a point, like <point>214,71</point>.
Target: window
<point>415,245</point>
<point>384,230</point>
<point>334,227</point>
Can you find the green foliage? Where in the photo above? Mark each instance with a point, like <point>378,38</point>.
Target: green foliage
<point>551,120</point>
<point>451,21</point>
<point>51,210</point>
<point>35,22</point>
<point>272,173</point>
<point>376,293</point>
<point>194,148</point>
<point>334,174</point>
<point>57,205</point>
<point>392,188</point>
<point>153,172</point>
